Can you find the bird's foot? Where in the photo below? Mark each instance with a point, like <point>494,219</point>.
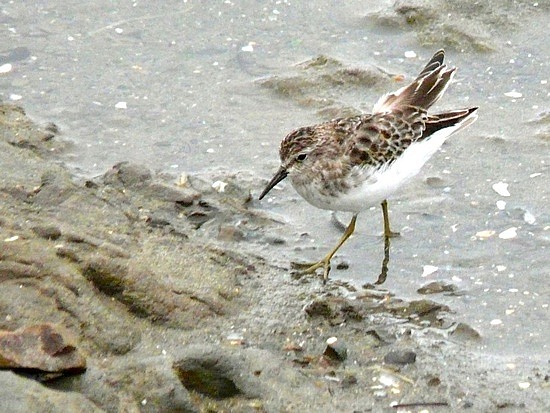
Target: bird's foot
<point>311,268</point>
<point>391,234</point>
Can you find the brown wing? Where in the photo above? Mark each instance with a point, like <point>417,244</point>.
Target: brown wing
<point>380,138</point>
<point>377,140</point>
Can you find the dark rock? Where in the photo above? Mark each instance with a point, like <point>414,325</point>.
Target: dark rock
<point>128,174</point>
<point>436,287</point>
<point>47,231</point>
<point>463,331</point>
<point>348,381</point>
<point>69,253</point>
<point>207,379</point>
<point>400,357</point>
<point>45,347</point>
<point>335,350</point>
<point>344,265</point>
<point>318,308</point>
<point>435,181</point>
<point>434,382</point>
<point>215,373</point>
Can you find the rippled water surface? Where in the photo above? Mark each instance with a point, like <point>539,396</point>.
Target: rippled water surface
<point>177,86</point>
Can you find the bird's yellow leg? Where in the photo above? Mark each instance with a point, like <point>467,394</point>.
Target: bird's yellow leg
<point>325,262</point>
<point>388,233</point>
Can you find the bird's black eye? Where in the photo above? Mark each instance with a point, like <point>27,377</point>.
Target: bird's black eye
<point>301,157</point>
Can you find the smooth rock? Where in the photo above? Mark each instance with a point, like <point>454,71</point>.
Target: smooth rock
<point>45,347</point>
<point>21,395</point>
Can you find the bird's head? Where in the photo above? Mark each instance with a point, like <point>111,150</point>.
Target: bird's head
<point>296,153</point>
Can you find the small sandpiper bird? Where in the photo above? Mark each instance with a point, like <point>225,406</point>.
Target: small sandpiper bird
<point>351,164</point>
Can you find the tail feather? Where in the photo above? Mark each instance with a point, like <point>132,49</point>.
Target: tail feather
<point>434,63</point>
<point>424,91</point>
<point>456,118</point>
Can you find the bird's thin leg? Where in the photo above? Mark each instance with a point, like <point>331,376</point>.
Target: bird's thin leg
<point>388,233</point>
<point>384,271</point>
<point>325,262</point>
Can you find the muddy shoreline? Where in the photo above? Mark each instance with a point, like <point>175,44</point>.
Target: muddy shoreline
<point>148,274</point>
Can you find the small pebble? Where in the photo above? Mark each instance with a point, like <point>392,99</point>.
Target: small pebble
<point>400,357</point>
<point>335,350</point>
<point>436,287</point>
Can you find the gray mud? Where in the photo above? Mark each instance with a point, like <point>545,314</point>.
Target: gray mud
<point>175,282</point>
<point>169,320</point>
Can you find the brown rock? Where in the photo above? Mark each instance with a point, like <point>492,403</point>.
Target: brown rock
<point>45,347</point>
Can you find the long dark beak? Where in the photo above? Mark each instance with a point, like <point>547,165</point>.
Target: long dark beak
<point>279,176</point>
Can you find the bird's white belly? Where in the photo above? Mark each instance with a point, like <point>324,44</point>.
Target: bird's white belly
<point>371,192</point>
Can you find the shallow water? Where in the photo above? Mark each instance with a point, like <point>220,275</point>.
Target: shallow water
<point>176,86</point>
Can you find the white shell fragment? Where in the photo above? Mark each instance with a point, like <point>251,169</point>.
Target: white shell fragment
<point>501,188</point>
<point>331,340</point>
<point>513,94</point>
<point>428,270</point>
<point>501,205</point>
<point>487,233</point>
<point>524,385</point>
<point>495,322</point>
<point>508,233</point>
<point>121,105</point>
<point>6,68</point>
<point>219,186</point>
<point>248,48</point>
<point>388,380</point>
<point>529,218</point>
<point>410,54</point>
